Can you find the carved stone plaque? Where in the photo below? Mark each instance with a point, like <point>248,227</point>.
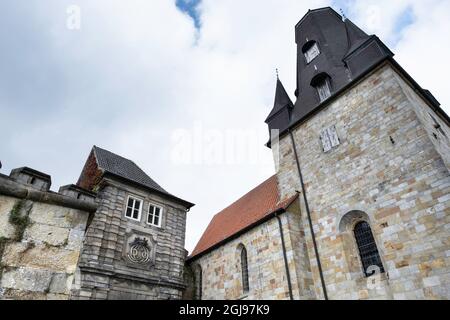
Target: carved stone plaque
<point>139,250</point>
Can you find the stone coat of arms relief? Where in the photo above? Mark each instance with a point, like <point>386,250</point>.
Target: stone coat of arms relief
<point>139,250</point>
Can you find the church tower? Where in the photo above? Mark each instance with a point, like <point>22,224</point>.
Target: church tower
<point>369,151</point>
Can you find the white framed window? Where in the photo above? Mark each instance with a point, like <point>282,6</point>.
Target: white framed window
<point>311,51</point>
<point>323,89</point>
<point>154,217</point>
<point>134,208</point>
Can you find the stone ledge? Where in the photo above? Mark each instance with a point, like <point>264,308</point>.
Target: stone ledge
<point>9,187</point>
<point>77,192</point>
<point>123,276</point>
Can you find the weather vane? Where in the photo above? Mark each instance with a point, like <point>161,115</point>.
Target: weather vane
<point>343,14</point>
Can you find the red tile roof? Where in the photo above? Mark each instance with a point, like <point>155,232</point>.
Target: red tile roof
<point>248,210</point>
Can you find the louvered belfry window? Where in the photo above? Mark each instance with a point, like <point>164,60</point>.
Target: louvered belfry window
<point>323,89</point>
<point>367,247</point>
<point>244,270</point>
<point>311,50</point>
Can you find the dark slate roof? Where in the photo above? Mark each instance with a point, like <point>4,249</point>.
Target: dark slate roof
<point>122,169</point>
<point>282,100</point>
<point>346,52</point>
<point>125,168</point>
<point>355,36</point>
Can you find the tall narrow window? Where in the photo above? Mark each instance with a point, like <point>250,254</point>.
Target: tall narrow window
<point>134,207</point>
<point>367,247</point>
<point>198,282</point>
<point>154,215</point>
<point>323,89</point>
<point>244,270</point>
<point>310,51</point>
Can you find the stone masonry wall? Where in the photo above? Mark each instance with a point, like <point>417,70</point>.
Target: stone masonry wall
<point>39,244</point>
<point>105,271</point>
<point>436,127</point>
<point>387,170</point>
<point>221,268</point>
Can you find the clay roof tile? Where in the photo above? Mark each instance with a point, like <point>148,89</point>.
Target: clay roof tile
<point>256,205</point>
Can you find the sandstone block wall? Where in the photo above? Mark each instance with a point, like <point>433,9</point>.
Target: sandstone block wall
<point>390,170</point>
<point>435,126</point>
<point>41,235</point>
<point>221,268</point>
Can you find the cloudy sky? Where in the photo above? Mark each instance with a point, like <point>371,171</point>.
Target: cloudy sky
<point>180,87</point>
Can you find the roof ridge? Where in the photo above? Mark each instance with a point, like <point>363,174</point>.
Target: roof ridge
<point>246,194</point>
<point>117,155</point>
<point>316,10</point>
<point>111,154</point>
<point>128,171</point>
<point>253,207</point>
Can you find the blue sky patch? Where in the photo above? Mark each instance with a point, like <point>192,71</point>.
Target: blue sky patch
<point>405,19</point>
<point>190,7</point>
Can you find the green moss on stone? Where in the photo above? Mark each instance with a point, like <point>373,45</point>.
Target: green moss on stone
<point>18,220</point>
<point>3,242</point>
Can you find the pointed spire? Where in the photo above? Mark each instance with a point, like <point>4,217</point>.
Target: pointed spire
<point>282,99</point>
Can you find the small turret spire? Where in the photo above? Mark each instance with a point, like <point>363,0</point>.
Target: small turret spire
<point>282,100</point>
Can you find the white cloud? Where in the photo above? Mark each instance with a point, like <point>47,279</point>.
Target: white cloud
<point>419,45</point>
<point>378,17</point>
<point>424,48</point>
<point>138,70</point>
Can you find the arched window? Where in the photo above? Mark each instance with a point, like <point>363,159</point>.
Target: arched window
<point>310,50</point>
<point>367,247</point>
<point>244,270</point>
<point>198,282</point>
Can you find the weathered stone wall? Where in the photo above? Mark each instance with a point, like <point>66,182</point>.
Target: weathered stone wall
<point>294,233</point>
<point>40,242</point>
<point>106,272</point>
<point>221,268</point>
<point>387,170</point>
<point>435,126</point>
<point>190,284</point>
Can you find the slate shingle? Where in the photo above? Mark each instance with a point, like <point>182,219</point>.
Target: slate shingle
<point>125,168</point>
<point>256,205</point>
